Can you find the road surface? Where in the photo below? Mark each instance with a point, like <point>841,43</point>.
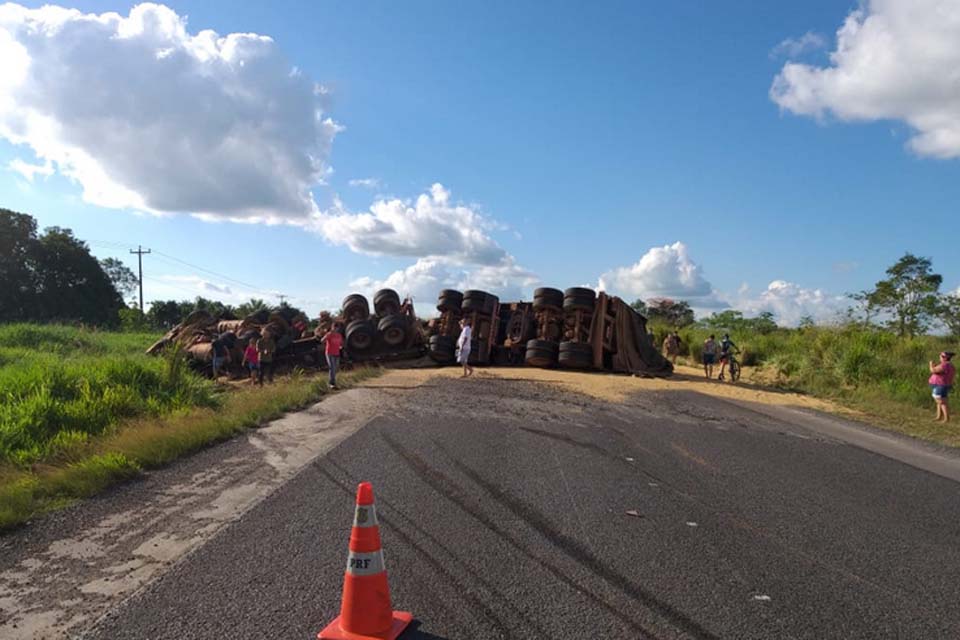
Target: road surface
<point>517,509</point>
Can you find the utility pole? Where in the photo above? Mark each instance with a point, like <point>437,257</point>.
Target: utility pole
<point>282,297</point>
<point>140,251</point>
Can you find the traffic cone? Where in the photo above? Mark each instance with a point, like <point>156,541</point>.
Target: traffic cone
<point>366,613</point>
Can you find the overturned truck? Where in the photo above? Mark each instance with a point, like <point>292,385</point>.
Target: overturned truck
<point>573,329</point>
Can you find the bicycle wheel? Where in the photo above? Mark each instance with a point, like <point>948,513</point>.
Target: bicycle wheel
<point>734,370</point>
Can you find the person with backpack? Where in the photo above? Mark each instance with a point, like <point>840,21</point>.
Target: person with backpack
<point>726,347</point>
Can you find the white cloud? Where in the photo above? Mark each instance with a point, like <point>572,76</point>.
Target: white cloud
<point>28,170</point>
<point>894,60</point>
<point>793,47</point>
<point>662,272</point>
<point>789,303</point>
<point>432,226</point>
<point>145,115</point>
<point>366,183</point>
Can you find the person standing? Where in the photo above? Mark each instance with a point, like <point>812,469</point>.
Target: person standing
<point>221,354</point>
<point>333,341</point>
<point>463,347</point>
<point>709,355</point>
<point>941,381</point>
<point>726,347</point>
<point>671,346</point>
<point>266,349</point>
<point>251,359</point>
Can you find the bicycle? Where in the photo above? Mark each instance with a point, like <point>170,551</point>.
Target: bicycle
<point>733,364</point>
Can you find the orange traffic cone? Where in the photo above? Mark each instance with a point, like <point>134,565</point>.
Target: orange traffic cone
<point>366,613</point>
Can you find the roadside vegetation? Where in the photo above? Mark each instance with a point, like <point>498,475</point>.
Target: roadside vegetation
<point>872,358</point>
<point>81,410</point>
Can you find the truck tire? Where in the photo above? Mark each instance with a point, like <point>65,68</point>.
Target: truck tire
<point>547,298</point>
<point>479,301</point>
<point>575,355</point>
<point>393,330</point>
<point>541,353</point>
<point>360,335</point>
<point>356,306</point>
<point>579,299</point>
<point>442,349</point>
<point>386,302</point>
<point>449,300</point>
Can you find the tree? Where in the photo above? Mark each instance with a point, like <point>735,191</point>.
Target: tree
<point>676,313</point>
<point>18,237</point>
<point>124,280</point>
<point>949,313</point>
<point>639,306</point>
<point>166,314</point>
<point>69,282</point>
<point>729,319</point>
<point>250,306</point>
<point>909,294</point>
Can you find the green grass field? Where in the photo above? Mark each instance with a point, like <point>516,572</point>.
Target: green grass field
<point>82,410</point>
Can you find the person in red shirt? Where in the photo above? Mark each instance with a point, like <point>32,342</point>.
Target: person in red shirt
<point>251,359</point>
<point>333,340</point>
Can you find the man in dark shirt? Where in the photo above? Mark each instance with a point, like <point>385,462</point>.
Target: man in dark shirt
<point>221,354</point>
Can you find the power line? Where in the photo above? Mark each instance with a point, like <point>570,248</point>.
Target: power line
<point>246,285</point>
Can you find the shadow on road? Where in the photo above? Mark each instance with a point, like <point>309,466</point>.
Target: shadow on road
<point>414,632</point>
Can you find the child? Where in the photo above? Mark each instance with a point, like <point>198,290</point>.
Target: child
<point>251,358</point>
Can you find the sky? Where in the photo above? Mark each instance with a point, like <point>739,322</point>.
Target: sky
<point>749,155</point>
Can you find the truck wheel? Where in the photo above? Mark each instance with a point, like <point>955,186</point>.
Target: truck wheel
<point>479,301</point>
<point>360,335</point>
<point>393,330</point>
<point>442,349</point>
<point>579,299</point>
<point>386,302</point>
<point>541,353</point>
<point>355,306</point>
<point>575,355</point>
<point>547,298</point>
<point>449,300</point>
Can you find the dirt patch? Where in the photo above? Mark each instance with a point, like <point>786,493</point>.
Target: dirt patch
<point>618,388</point>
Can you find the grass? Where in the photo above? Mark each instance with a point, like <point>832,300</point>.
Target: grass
<point>61,386</point>
<point>869,370</point>
<point>84,410</point>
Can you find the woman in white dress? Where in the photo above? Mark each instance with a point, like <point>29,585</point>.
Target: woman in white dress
<point>463,347</point>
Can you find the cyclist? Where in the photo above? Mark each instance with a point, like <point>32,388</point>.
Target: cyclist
<point>726,348</point>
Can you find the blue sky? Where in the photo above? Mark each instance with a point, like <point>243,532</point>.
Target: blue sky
<point>577,138</point>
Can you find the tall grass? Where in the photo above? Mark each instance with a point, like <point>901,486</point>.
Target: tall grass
<point>60,386</point>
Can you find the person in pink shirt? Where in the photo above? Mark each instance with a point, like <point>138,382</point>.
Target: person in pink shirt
<point>333,341</point>
<point>941,380</point>
<point>251,360</point>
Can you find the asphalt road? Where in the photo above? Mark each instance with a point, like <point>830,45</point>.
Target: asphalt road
<point>510,510</point>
